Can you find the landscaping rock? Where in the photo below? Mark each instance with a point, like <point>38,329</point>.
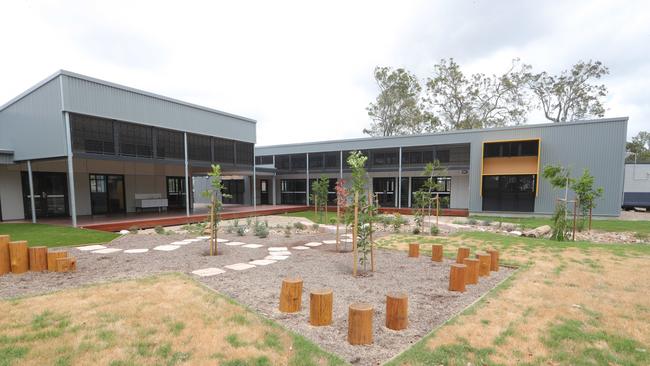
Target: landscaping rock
<point>538,232</point>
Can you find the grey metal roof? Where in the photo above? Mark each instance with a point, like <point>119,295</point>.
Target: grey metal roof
<point>447,137</point>
<point>122,87</point>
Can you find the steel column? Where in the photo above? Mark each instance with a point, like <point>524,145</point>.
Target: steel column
<point>71,190</point>
<point>187,177</point>
<point>31,190</point>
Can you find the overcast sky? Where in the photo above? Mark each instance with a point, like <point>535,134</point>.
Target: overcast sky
<point>304,71</point>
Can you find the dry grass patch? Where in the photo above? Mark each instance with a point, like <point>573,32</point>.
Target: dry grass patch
<point>164,320</point>
<point>569,304</point>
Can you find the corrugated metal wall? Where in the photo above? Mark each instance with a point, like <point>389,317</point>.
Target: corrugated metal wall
<point>93,98</point>
<point>33,126</point>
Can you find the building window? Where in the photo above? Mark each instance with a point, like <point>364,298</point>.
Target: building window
<point>224,151</point>
<point>298,162</point>
<point>316,161</point>
<point>332,160</point>
<point>92,135</point>
<point>443,191</point>
<point>417,157</point>
<point>293,191</point>
<point>198,147</point>
<point>135,140</point>
<point>384,158</point>
<point>283,162</point>
<point>442,155</point>
<point>245,153</point>
<point>509,193</point>
<point>169,144</point>
<point>510,149</point>
<point>385,189</point>
<point>264,160</point>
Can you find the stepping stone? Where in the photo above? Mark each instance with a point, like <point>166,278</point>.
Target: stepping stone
<point>346,235</point>
<point>277,249</point>
<point>203,237</point>
<point>239,266</point>
<point>280,253</point>
<point>191,240</point>
<point>166,248</point>
<point>206,272</point>
<point>276,257</point>
<point>299,247</point>
<point>346,240</point>
<point>107,251</point>
<point>179,243</point>
<point>135,251</point>
<point>313,244</point>
<point>262,262</point>
<point>124,232</point>
<point>329,241</point>
<point>234,243</point>
<point>252,246</point>
<point>219,240</point>
<point>91,247</point>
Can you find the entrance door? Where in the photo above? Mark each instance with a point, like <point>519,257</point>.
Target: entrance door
<point>50,194</point>
<point>176,192</point>
<point>385,190</point>
<point>107,194</point>
<point>264,191</point>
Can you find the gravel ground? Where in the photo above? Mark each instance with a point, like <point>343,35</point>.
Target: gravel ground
<point>430,304</point>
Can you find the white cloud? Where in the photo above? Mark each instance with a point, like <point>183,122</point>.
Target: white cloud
<point>304,70</point>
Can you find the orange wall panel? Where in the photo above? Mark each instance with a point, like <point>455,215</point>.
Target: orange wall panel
<point>510,165</point>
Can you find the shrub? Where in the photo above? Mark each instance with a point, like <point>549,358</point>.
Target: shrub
<point>472,221</point>
<point>287,231</point>
<point>241,231</point>
<point>299,225</point>
<point>249,222</point>
<point>261,229</point>
<point>134,229</point>
<point>435,230</point>
<point>315,227</point>
<point>486,223</point>
<point>416,230</point>
<point>159,230</point>
<point>459,222</point>
<point>332,220</point>
<point>235,223</point>
<point>559,223</point>
<point>398,221</point>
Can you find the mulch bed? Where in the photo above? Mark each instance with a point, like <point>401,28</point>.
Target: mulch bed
<point>430,303</point>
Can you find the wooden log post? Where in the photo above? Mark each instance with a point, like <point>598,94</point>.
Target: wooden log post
<point>360,323</point>
<point>5,262</point>
<point>436,252</point>
<point>483,264</point>
<point>463,252</point>
<point>291,295</point>
<point>52,257</point>
<point>414,250</point>
<point>67,264</point>
<point>457,277</point>
<point>19,256</point>
<point>38,259</point>
<point>320,307</point>
<point>397,306</point>
<point>494,260</point>
<point>471,273</point>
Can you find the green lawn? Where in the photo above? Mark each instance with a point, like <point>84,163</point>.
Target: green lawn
<point>54,236</point>
<point>614,225</point>
<point>310,215</point>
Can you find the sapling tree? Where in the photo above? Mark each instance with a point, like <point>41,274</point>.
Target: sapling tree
<point>215,193</point>
<point>587,195</point>
<point>424,197</point>
<point>363,208</point>
<point>341,205</point>
<point>560,178</point>
<point>319,190</point>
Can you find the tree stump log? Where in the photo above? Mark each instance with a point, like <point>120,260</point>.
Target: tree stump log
<point>320,307</point>
<point>457,277</point>
<point>414,250</point>
<point>5,262</point>
<point>19,256</point>
<point>471,273</point>
<point>66,264</point>
<point>436,252</point>
<point>360,323</point>
<point>52,257</point>
<point>397,307</point>
<point>494,260</point>
<point>483,264</point>
<point>37,259</point>
<point>291,295</point>
<point>463,252</point>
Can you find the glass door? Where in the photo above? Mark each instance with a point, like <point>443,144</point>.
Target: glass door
<point>176,192</point>
<point>264,192</point>
<point>107,194</point>
<point>50,194</point>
